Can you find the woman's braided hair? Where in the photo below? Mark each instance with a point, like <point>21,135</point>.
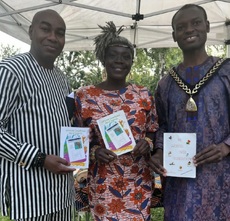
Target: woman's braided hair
<point>110,37</point>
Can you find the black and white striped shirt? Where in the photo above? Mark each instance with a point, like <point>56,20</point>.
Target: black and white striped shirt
<point>32,110</point>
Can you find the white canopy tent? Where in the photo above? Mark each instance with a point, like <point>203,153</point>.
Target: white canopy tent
<point>147,22</point>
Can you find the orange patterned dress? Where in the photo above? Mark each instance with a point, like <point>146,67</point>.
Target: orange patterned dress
<point>122,189</point>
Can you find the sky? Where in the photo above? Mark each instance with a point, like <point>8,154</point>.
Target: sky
<point>8,40</point>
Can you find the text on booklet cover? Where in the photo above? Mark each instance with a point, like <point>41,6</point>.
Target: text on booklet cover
<point>116,133</point>
<point>179,150</point>
<point>74,146</point>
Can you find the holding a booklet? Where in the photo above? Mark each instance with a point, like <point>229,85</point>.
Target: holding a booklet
<point>124,119</point>
<point>193,106</point>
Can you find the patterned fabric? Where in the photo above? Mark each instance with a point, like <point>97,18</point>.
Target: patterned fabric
<point>81,193</point>
<point>207,197</point>
<point>120,190</point>
<point>32,110</point>
<point>81,198</point>
<point>157,196</point>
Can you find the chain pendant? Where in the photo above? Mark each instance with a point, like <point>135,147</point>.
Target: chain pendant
<point>191,105</point>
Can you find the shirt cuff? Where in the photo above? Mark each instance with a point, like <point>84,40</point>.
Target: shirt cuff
<point>26,156</point>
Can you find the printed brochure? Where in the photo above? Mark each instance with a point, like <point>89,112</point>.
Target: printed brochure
<point>179,149</point>
<point>116,133</point>
<point>74,146</point>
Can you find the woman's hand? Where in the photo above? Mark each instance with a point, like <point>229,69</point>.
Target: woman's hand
<point>104,155</point>
<point>141,148</point>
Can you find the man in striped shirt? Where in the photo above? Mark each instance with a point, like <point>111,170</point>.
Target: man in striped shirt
<point>36,184</point>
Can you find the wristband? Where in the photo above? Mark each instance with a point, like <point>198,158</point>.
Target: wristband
<point>150,142</point>
<point>92,152</point>
<point>39,159</point>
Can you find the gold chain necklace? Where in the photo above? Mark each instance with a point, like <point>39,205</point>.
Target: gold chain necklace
<point>191,104</point>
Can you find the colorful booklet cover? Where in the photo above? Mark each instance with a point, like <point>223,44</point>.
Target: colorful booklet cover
<point>74,146</point>
<point>179,149</point>
<point>116,133</point>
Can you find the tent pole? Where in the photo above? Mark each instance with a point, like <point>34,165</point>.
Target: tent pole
<point>228,51</point>
<point>227,42</point>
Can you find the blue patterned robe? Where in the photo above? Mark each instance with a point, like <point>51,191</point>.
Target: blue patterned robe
<point>207,197</point>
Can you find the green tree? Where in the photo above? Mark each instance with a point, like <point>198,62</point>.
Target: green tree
<point>151,64</point>
<point>81,68</point>
<point>217,50</point>
<point>8,51</point>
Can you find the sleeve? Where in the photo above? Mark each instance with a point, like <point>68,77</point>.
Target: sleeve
<point>162,117</point>
<point>152,118</point>
<point>77,116</point>
<point>70,105</point>
<point>225,77</point>
<point>10,148</point>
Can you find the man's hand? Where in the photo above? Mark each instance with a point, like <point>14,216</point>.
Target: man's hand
<point>156,162</point>
<point>57,165</point>
<point>212,154</point>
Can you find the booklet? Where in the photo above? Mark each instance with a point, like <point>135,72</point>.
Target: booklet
<point>179,149</point>
<point>74,146</point>
<point>116,133</point>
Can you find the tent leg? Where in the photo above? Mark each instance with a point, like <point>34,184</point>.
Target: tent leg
<point>228,51</point>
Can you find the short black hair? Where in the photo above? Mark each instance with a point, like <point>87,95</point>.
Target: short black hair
<point>189,6</point>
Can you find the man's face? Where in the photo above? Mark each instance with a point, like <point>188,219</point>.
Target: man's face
<point>47,34</point>
<point>190,29</point>
<point>118,62</point>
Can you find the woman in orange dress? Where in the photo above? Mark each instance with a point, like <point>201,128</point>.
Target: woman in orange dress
<point>120,187</point>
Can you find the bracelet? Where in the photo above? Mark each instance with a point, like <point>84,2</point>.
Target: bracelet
<point>92,152</point>
<point>150,142</point>
<point>39,159</point>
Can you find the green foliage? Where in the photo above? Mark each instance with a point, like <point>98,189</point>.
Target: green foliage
<point>157,214</point>
<point>151,65</point>
<point>81,68</point>
<point>7,51</point>
<point>143,70</point>
<point>217,50</point>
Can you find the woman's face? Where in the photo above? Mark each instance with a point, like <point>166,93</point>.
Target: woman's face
<point>118,62</point>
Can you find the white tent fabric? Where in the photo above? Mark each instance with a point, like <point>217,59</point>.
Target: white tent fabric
<point>147,22</point>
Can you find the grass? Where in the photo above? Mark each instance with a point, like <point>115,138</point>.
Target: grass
<point>157,215</point>
<point>4,218</point>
